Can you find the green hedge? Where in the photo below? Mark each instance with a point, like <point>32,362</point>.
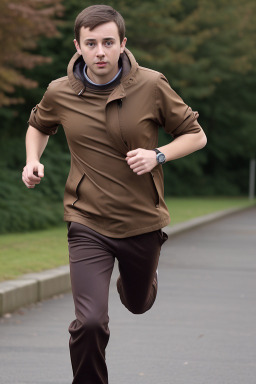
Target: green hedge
<point>23,209</point>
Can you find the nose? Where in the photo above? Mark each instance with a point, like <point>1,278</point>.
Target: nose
<point>100,51</point>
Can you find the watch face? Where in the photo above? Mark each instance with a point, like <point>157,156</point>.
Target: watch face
<point>161,158</point>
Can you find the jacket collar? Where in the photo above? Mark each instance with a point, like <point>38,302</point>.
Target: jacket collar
<point>128,78</point>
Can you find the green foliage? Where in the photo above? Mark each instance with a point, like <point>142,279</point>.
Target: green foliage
<point>23,209</point>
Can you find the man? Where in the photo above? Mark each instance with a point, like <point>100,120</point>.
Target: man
<point>110,109</point>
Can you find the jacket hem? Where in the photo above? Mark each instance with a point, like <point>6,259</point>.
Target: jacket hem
<point>134,232</point>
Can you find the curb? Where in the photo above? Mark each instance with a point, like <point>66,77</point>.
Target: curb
<point>34,287</point>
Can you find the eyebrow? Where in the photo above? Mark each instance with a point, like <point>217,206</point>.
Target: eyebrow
<point>104,39</point>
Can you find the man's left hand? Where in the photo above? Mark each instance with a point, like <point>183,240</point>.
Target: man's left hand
<point>141,160</point>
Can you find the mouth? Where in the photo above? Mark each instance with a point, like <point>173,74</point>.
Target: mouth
<point>101,64</point>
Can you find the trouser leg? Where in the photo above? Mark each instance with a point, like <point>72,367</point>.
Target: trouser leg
<point>91,267</point>
<point>138,258</point>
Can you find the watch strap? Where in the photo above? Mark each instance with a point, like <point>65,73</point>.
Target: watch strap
<point>160,157</point>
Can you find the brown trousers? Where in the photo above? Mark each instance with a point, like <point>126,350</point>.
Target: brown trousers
<point>92,258</point>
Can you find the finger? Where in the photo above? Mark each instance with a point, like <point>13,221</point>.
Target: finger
<point>132,153</point>
<point>30,186</point>
<point>25,172</point>
<point>27,183</point>
<point>32,175</point>
<point>32,180</point>
<point>138,169</point>
<point>141,172</point>
<point>133,164</point>
<point>132,160</point>
<point>40,170</point>
<point>138,163</point>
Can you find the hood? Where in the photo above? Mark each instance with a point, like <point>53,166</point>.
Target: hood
<point>76,65</point>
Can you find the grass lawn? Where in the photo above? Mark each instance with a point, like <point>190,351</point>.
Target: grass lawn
<point>32,252</point>
<point>46,249</point>
<point>183,209</point>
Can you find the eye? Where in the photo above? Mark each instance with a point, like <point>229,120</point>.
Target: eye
<point>109,43</point>
<point>90,44</point>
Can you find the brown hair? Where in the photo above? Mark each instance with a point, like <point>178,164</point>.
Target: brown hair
<point>96,15</point>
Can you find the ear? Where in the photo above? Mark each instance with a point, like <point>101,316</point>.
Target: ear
<point>123,45</point>
<point>77,47</point>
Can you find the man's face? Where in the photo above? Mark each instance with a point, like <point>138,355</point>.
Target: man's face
<point>101,49</point>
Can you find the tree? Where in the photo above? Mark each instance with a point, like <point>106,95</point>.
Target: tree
<point>206,50</point>
<point>21,26</point>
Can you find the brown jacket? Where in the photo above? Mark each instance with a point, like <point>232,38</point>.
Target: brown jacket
<point>102,192</point>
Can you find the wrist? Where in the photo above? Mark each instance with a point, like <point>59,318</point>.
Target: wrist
<point>160,156</point>
<point>32,160</point>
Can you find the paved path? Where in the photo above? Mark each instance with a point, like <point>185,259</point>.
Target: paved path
<point>202,329</point>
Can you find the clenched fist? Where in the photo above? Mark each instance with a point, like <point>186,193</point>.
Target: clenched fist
<point>141,160</point>
<point>32,173</point>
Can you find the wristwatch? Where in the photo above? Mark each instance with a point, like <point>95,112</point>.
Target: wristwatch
<point>160,157</point>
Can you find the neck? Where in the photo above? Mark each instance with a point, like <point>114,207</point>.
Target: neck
<point>89,79</point>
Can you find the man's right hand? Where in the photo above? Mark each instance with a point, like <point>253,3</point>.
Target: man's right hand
<point>32,173</point>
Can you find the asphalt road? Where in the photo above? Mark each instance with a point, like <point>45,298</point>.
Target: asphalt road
<point>201,330</point>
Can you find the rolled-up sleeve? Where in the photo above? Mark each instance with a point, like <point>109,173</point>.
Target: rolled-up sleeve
<point>44,116</point>
<point>173,114</point>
